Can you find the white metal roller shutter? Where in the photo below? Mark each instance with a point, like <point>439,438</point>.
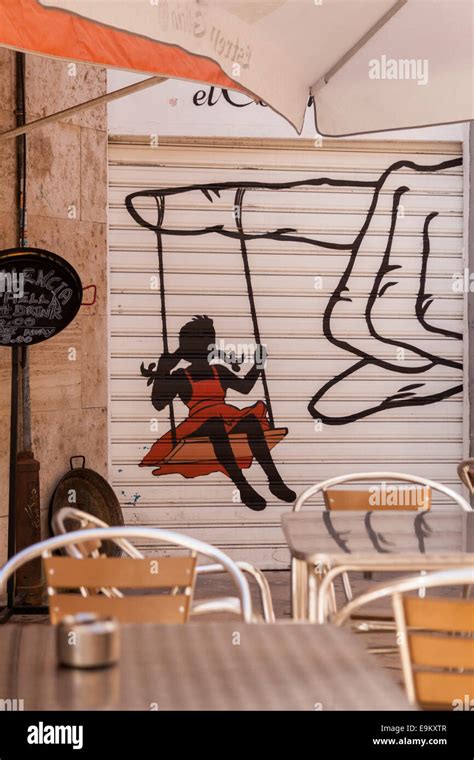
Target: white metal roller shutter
<point>204,275</point>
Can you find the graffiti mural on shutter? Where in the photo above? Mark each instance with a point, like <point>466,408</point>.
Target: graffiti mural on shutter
<point>412,394</point>
<point>381,331</point>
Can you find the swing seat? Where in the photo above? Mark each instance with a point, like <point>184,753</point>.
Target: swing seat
<point>200,450</point>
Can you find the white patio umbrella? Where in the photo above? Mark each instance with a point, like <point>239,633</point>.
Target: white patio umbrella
<point>371,65</point>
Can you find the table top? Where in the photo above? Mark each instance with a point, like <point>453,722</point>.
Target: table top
<point>202,666</point>
<point>418,539</point>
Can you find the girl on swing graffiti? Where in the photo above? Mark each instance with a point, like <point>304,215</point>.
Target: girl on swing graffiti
<point>202,388</point>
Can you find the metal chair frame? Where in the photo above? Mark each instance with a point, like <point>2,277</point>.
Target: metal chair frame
<point>299,574</point>
<point>46,547</point>
<point>201,607</point>
<point>453,577</point>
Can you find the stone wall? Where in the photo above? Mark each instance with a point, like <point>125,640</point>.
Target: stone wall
<point>67,214</point>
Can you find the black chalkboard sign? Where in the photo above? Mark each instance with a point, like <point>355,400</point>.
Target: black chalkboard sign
<point>40,294</point>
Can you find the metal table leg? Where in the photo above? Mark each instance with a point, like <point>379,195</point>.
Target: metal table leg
<point>299,589</point>
<point>314,579</point>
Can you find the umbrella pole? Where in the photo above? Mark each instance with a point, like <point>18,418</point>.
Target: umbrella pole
<point>12,484</point>
<point>21,523</point>
<point>23,129</point>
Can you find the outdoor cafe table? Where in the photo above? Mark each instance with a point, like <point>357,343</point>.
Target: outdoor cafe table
<point>380,541</point>
<point>202,666</point>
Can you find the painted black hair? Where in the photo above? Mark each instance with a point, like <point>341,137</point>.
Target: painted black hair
<point>201,328</point>
<point>195,336</point>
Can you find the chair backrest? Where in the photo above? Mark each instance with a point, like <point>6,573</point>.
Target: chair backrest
<point>64,574</point>
<point>435,635</point>
<point>437,647</point>
<point>382,495</point>
<point>84,520</point>
<point>196,547</point>
<point>62,520</point>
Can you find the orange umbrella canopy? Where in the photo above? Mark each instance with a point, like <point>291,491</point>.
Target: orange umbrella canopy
<point>29,26</point>
<point>371,65</point>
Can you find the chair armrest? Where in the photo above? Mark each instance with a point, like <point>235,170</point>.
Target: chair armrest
<point>257,575</point>
<point>229,604</point>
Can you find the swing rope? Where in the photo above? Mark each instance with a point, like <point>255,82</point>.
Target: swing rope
<point>160,202</point>
<point>253,310</point>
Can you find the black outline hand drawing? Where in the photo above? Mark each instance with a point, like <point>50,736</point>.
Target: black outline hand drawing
<point>410,394</point>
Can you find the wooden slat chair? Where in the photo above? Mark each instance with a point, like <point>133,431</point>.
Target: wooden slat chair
<point>435,637</point>
<point>412,498</point>
<point>415,495</point>
<point>176,575</point>
<point>93,575</point>
<point>400,498</point>
<point>65,518</point>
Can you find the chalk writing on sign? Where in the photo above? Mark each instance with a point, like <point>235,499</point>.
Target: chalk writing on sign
<point>40,294</point>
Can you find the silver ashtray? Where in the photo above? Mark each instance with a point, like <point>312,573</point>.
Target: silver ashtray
<point>86,640</point>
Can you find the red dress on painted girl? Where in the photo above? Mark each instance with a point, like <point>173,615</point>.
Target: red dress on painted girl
<point>202,388</point>
<point>207,401</point>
